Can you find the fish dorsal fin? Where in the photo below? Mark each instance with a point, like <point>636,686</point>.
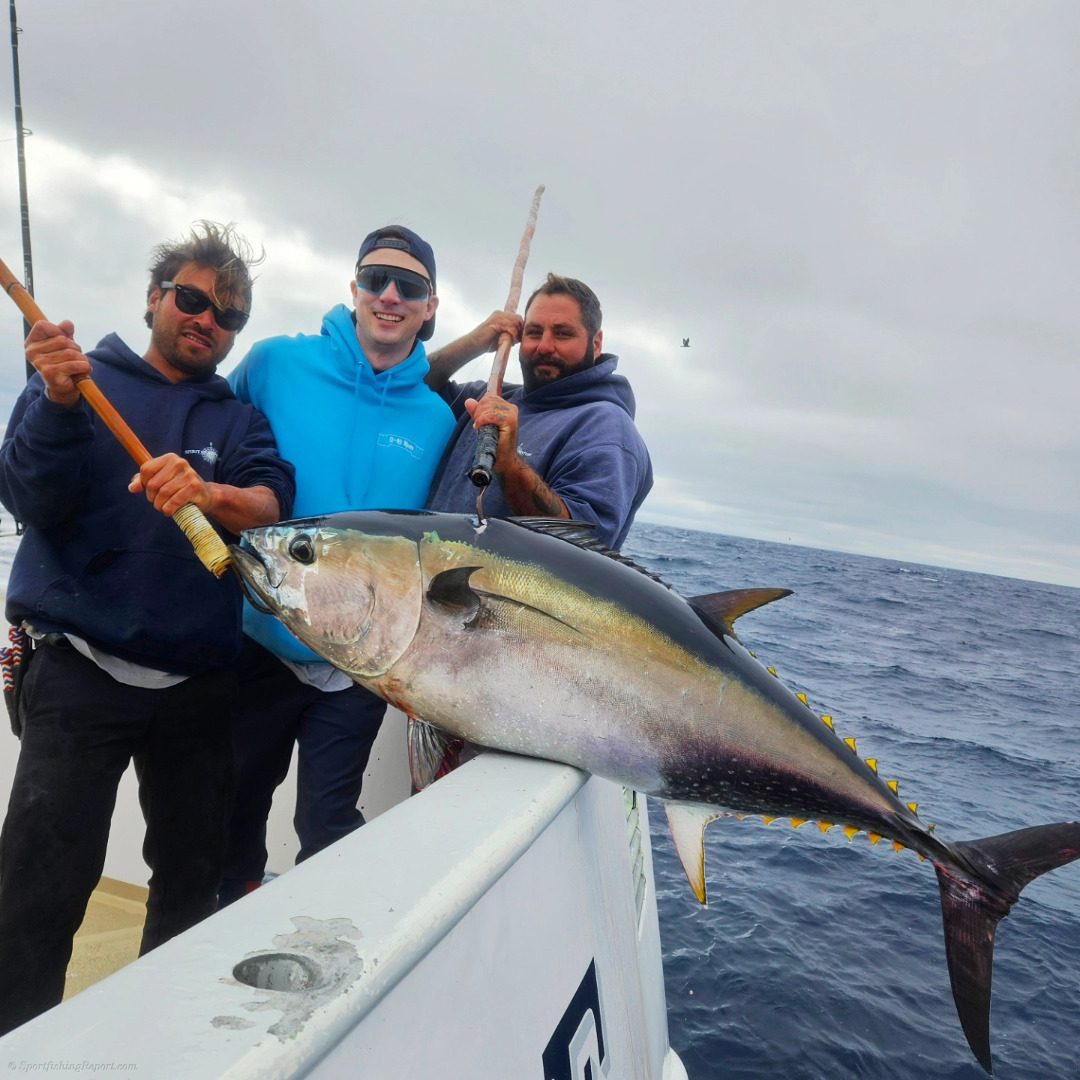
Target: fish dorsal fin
<point>725,607</point>
<point>687,823</point>
<point>581,534</point>
<point>429,751</point>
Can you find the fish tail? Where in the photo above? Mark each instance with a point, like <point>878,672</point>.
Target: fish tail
<point>972,906</point>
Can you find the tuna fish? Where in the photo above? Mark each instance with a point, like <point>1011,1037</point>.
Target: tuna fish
<point>507,635</point>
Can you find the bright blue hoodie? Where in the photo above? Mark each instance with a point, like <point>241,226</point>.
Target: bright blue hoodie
<point>359,439</point>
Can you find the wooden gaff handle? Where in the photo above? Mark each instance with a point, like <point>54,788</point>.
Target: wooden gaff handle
<point>487,438</point>
<point>209,547</point>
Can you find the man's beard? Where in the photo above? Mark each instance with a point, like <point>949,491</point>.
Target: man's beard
<point>171,349</point>
<point>532,381</point>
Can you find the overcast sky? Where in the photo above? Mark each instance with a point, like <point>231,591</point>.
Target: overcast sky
<point>864,215</point>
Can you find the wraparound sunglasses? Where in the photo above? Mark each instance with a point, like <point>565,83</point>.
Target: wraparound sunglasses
<point>194,302</point>
<point>410,286</point>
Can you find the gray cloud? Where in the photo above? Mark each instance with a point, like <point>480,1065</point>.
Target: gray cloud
<point>863,215</point>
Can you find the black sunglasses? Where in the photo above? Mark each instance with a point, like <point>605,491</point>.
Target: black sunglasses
<point>194,302</point>
<point>410,286</point>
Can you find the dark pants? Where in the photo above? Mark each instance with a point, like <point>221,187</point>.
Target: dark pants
<point>333,732</point>
<point>81,729</point>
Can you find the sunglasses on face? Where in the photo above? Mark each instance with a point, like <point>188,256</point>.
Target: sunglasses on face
<point>194,302</point>
<point>410,286</point>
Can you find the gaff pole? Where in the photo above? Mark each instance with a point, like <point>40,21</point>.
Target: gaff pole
<point>209,547</point>
<point>487,438</point>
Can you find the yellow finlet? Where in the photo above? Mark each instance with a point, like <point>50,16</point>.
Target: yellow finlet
<point>771,670</point>
<point>851,745</point>
<point>827,721</point>
<point>797,821</point>
<point>894,787</point>
<point>850,831</point>
<point>768,820</point>
<point>802,698</point>
<point>913,807</point>
<point>874,837</point>
<point>825,826</point>
<point>872,762</point>
<point>897,847</point>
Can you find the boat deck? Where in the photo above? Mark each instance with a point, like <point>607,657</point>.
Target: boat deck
<point>109,936</point>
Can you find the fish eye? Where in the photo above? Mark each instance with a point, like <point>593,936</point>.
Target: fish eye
<point>302,549</point>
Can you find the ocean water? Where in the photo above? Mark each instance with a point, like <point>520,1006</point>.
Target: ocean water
<point>819,957</point>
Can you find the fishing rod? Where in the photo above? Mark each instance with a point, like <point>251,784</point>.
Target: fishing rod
<point>209,547</point>
<point>20,142</point>
<point>21,134</point>
<point>487,438</point>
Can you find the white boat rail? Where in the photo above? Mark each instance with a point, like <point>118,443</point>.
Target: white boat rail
<point>501,924</point>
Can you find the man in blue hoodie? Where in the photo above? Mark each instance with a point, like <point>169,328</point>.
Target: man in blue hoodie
<point>568,447</point>
<point>135,641</point>
<point>351,410</point>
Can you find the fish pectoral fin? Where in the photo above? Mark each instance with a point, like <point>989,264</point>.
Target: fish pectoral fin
<point>432,752</point>
<point>480,609</point>
<point>687,823</point>
<point>450,589</point>
<point>725,607</point>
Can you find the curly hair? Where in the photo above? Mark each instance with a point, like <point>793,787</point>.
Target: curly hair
<point>219,248</point>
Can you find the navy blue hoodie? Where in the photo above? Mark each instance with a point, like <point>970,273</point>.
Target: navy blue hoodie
<point>577,432</point>
<point>102,563</point>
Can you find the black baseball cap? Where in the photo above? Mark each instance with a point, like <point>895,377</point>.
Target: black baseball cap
<point>403,239</point>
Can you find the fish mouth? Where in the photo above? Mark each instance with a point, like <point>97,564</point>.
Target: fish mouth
<point>256,577</point>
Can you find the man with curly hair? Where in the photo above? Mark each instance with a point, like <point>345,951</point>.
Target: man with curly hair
<point>135,641</point>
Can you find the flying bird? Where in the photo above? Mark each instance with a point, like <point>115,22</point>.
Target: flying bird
<point>686,343</point>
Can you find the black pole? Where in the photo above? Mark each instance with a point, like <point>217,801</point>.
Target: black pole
<point>20,134</point>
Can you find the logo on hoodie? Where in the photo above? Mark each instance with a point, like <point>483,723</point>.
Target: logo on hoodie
<point>209,454</point>
<point>400,441</point>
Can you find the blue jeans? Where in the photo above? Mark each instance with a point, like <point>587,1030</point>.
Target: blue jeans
<point>81,728</point>
<point>333,732</point>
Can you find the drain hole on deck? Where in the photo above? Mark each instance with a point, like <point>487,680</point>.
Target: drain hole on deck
<point>278,971</point>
